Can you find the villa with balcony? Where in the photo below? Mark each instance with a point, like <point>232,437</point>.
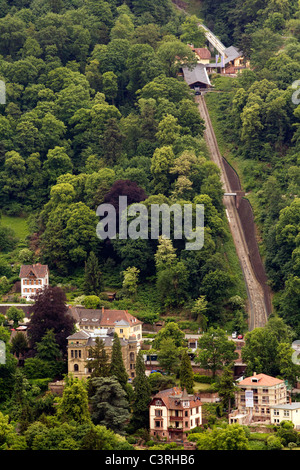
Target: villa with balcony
<point>173,413</point>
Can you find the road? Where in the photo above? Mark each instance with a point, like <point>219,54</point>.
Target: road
<point>256,305</point>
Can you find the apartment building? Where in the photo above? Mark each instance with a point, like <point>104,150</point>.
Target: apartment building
<point>255,397</point>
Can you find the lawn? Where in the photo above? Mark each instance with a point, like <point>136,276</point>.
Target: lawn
<point>17,224</point>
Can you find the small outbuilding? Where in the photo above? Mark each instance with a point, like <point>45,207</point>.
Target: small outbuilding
<point>196,77</point>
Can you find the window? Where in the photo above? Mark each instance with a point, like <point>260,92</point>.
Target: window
<point>157,424</point>
<point>121,330</point>
<point>158,413</point>
<point>286,413</point>
<point>276,412</point>
<point>76,368</point>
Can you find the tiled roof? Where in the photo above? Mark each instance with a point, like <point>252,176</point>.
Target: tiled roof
<point>202,52</point>
<point>173,398</point>
<point>262,380</point>
<point>103,317</point>
<point>39,270</point>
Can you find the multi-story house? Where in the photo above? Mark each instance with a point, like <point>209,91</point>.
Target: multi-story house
<point>255,396</point>
<point>80,343</point>
<point>124,324</point>
<point>34,277</point>
<point>173,413</point>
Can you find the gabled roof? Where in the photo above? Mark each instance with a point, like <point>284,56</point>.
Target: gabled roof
<point>232,53</point>
<point>173,398</point>
<point>79,335</point>
<point>196,74</point>
<point>38,270</point>
<point>202,52</point>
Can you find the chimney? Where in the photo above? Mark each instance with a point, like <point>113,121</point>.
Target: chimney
<point>102,309</point>
<point>254,373</point>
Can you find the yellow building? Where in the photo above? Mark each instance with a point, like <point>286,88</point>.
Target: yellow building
<point>80,343</point>
<point>124,324</point>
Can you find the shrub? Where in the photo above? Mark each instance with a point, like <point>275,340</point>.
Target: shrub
<point>203,379</point>
<point>274,443</point>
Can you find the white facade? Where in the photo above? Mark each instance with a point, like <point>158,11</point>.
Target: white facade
<point>287,412</point>
<point>33,280</point>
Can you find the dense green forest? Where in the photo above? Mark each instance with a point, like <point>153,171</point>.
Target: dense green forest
<point>257,120</point>
<point>95,109</point>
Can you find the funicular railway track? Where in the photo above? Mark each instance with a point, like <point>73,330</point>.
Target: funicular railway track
<point>257,310</point>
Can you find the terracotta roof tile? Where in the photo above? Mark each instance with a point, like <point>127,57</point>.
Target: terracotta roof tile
<point>105,317</point>
<point>202,52</point>
<point>173,398</point>
<point>262,380</point>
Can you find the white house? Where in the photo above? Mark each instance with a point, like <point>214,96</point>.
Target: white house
<point>34,277</point>
<point>286,412</point>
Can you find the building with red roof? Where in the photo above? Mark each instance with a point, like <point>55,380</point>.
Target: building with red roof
<point>173,413</point>
<point>34,277</point>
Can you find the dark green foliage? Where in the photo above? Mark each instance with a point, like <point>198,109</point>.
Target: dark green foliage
<point>92,275</point>
<point>117,367</point>
<point>142,395</point>
<point>109,403</point>
<point>186,373</point>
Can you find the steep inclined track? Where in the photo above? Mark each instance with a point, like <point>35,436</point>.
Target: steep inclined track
<point>256,300</point>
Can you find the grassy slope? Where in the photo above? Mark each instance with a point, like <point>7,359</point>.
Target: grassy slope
<point>17,224</point>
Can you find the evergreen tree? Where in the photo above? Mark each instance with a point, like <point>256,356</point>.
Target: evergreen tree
<point>142,395</point>
<point>98,359</point>
<point>186,373</point>
<point>92,275</point>
<point>117,367</point>
<point>226,387</point>
<point>47,348</point>
<point>109,403</point>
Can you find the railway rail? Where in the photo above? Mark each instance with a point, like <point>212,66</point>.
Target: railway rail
<point>257,311</point>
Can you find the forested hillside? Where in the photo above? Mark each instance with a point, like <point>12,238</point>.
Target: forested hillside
<point>257,120</point>
<point>95,109</point>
